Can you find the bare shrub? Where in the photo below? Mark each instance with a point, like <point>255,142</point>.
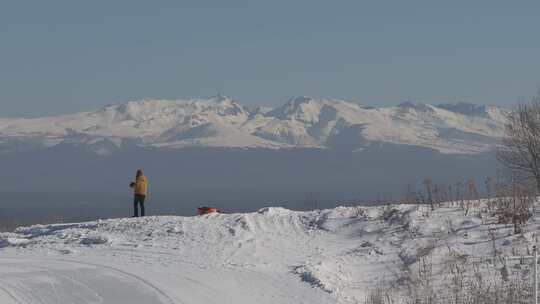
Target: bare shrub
<point>472,196</point>
<point>380,296</point>
<point>459,194</point>
<point>520,150</point>
<point>463,282</point>
<point>428,184</point>
<point>490,185</point>
<point>514,203</point>
<point>409,195</point>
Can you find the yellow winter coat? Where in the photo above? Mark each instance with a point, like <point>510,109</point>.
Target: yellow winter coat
<point>141,185</point>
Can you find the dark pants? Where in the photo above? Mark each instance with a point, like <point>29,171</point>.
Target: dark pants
<point>138,200</point>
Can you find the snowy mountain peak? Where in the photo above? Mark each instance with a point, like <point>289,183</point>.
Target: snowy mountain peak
<point>291,107</point>
<point>417,106</point>
<point>308,109</point>
<point>221,99</point>
<point>465,108</point>
<point>148,109</point>
<point>299,101</point>
<point>470,109</point>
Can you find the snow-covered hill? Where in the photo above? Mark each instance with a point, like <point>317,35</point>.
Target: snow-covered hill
<point>222,122</point>
<point>271,256</point>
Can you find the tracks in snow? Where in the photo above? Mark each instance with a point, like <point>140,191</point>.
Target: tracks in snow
<point>50,280</point>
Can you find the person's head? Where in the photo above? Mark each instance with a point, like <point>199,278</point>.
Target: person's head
<point>139,173</point>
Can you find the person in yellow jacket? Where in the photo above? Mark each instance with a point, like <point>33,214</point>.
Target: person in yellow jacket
<point>140,189</point>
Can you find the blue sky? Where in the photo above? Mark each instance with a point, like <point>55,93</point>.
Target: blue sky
<point>67,56</point>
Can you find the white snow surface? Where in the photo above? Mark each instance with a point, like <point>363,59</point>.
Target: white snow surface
<point>271,256</point>
<point>302,122</point>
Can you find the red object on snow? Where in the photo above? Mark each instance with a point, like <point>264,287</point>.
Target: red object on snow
<point>207,210</point>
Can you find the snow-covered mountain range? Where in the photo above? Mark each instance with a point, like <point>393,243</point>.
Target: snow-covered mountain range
<point>223,122</point>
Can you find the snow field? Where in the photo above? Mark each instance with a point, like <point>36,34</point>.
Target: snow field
<point>272,256</point>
